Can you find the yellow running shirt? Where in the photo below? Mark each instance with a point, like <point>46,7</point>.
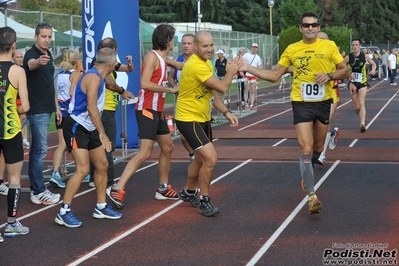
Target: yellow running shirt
<point>195,98</point>
<point>308,60</point>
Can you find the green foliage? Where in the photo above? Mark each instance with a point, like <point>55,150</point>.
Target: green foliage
<point>341,36</point>
<point>288,36</point>
<point>56,6</point>
<point>291,11</point>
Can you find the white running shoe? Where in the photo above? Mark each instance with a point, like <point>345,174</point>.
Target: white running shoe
<point>26,144</point>
<point>334,138</point>
<point>46,198</point>
<point>322,159</point>
<point>3,189</point>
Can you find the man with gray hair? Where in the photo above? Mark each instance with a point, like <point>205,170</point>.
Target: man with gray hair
<point>85,137</point>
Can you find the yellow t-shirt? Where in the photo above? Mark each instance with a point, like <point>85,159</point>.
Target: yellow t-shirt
<point>195,98</point>
<point>308,60</point>
<point>111,98</point>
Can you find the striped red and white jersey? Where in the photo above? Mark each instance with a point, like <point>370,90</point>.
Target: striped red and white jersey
<point>154,100</point>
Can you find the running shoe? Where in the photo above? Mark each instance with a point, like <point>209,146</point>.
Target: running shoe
<point>190,198</point>
<point>26,144</point>
<point>207,208</point>
<point>117,197</point>
<point>314,204</point>
<point>334,138</point>
<point>106,213</point>
<point>253,107</point>
<point>91,184</point>
<point>68,219</point>
<point>3,189</point>
<point>362,128</point>
<point>46,198</point>
<point>1,239</point>
<point>168,194</point>
<point>322,159</point>
<point>86,179</point>
<point>15,229</point>
<point>56,180</point>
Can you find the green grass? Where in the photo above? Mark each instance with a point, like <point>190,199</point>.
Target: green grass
<point>52,127</point>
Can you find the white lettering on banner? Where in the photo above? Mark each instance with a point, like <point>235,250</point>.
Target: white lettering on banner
<point>90,48</point>
<point>312,91</point>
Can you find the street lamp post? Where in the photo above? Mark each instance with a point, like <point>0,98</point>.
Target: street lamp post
<point>271,4</point>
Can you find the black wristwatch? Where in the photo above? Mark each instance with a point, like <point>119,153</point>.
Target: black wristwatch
<point>330,75</point>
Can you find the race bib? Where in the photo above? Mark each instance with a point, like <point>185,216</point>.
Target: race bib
<point>165,85</point>
<point>312,91</point>
<point>358,77</point>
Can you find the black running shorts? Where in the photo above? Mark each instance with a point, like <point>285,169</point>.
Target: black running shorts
<point>197,134</point>
<point>151,123</point>
<point>311,111</point>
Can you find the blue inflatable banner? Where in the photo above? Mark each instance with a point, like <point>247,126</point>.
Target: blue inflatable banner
<point>119,20</point>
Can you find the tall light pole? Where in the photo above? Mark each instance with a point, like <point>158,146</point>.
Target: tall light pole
<point>271,4</point>
<point>199,15</point>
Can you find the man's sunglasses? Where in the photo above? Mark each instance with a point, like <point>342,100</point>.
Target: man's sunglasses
<point>307,25</point>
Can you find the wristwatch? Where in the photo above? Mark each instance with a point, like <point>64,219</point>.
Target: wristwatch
<point>330,75</point>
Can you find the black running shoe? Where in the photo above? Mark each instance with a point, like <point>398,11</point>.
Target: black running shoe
<point>190,198</point>
<point>207,208</point>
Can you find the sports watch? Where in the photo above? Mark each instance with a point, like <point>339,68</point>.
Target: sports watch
<point>330,75</point>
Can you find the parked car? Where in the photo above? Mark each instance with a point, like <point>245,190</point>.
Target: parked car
<point>374,49</point>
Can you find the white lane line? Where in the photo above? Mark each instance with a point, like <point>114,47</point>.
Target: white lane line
<point>77,195</point>
<point>287,221</point>
<point>278,143</point>
<point>260,121</point>
<point>375,117</point>
<point>152,218</point>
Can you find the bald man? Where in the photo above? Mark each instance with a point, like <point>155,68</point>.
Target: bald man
<point>198,89</point>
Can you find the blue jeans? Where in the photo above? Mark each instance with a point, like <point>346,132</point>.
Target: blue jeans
<point>39,124</point>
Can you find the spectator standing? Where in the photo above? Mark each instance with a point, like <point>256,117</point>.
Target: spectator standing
<point>254,60</point>
<point>384,63</point>
<point>220,64</point>
<point>392,67</point>
<point>39,69</point>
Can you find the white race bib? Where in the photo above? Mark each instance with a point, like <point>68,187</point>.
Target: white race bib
<point>312,91</point>
<point>358,77</point>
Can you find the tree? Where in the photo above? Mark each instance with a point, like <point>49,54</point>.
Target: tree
<point>291,11</point>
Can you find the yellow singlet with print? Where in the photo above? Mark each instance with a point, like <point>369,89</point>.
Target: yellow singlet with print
<point>308,60</point>
<point>194,101</point>
<point>111,98</point>
<point>10,124</point>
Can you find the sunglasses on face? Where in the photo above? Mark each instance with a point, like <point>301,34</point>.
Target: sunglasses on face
<point>307,25</point>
